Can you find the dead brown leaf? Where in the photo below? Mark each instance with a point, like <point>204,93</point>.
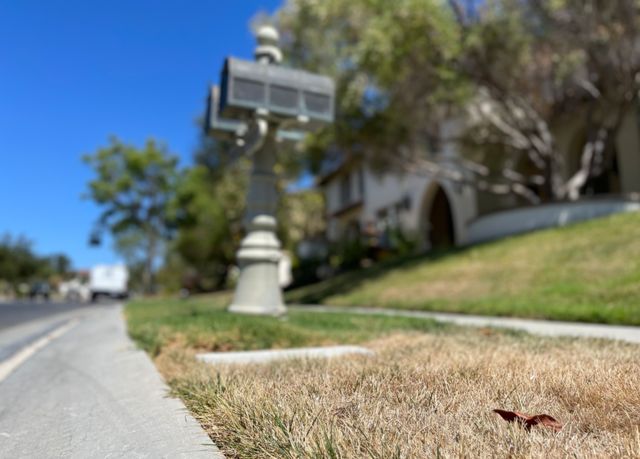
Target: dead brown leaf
<point>530,421</point>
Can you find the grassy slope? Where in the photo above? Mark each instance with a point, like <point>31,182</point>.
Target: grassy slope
<point>586,272</point>
<point>203,324</point>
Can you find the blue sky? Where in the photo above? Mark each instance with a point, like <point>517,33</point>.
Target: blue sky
<point>72,72</point>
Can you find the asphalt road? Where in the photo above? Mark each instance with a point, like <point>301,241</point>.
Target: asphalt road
<point>25,322</point>
<point>72,384</point>
<point>12,314</point>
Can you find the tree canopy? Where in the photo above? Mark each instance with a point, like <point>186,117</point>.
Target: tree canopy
<point>136,189</point>
<point>509,71</point>
<point>392,67</point>
<point>211,196</point>
<point>19,263</point>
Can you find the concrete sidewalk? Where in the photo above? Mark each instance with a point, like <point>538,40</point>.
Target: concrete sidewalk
<point>91,394</point>
<point>536,327</point>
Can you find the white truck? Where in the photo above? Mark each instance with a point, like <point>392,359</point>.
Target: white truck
<point>109,281</point>
<point>75,290</point>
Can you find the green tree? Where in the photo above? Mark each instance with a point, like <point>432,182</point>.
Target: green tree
<point>392,66</point>
<point>135,188</point>
<point>508,70</point>
<point>300,217</point>
<point>400,81</point>
<point>211,198</point>
<point>210,233</point>
<point>535,63</point>
<point>60,264</point>
<point>19,263</point>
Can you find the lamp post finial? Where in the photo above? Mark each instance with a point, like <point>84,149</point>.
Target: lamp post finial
<point>268,51</point>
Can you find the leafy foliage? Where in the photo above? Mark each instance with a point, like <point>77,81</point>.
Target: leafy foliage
<point>211,198</point>
<point>498,78</point>
<point>391,65</point>
<point>300,216</point>
<point>539,64</point>
<point>19,263</point>
<point>213,203</point>
<point>136,188</point>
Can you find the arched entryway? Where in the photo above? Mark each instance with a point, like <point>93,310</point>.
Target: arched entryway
<point>439,227</point>
<point>607,181</point>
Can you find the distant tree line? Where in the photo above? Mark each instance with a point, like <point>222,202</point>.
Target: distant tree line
<point>19,264</point>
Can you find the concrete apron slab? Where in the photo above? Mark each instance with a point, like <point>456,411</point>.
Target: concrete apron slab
<point>265,356</point>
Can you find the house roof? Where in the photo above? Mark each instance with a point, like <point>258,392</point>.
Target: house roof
<point>335,167</point>
<point>328,176</point>
<point>345,210</point>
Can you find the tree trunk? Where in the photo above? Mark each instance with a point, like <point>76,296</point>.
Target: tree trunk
<point>147,275</point>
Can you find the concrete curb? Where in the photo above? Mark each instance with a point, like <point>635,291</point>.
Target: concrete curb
<point>92,393</point>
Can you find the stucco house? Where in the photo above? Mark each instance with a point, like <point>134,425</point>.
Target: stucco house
<point>437,212</point>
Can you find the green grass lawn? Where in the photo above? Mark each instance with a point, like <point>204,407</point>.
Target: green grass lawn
<point>586,272</point>
<point>202,323</point>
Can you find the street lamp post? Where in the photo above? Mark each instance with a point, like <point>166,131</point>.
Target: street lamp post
<point>264,96</point>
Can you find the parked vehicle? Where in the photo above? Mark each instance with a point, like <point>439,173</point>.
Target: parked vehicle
<point>40,290</point>
<point>110,281</point>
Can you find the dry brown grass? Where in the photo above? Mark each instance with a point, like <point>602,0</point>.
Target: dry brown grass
<point>422,396</point>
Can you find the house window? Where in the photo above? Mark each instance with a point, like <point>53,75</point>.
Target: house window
<point>383,228</point>
<point>383,219</point>
<point>361,182</point>
<point>405,203</point>
<point>345,190</point>
<point>352,231</point>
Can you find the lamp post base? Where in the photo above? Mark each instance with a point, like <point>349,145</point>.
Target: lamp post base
<point>258,291</point>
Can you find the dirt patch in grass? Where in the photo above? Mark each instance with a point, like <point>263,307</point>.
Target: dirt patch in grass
<point>423,395</point>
